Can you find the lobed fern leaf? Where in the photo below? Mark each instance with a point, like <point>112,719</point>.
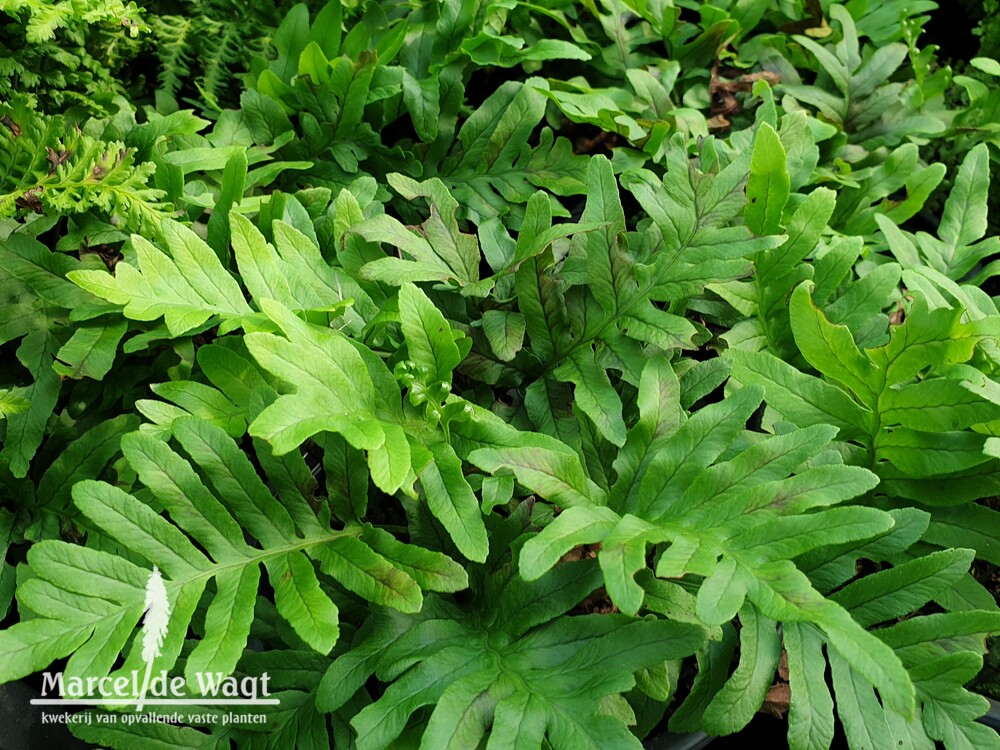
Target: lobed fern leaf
<point>891,399</point>
<point>961,247</point>
<point>524,675</point>
<point>190,285</point>
<point>88,601</point>
<point>736,510</point>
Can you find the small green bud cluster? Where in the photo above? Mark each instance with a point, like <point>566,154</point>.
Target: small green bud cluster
<point>431,395</point>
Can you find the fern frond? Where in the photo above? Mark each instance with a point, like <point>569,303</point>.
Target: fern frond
<point>90,601</point>
<point>45,17</point>
<point>207,46</point>
<point>173,47</point>
<point>220,58</point>
<point>941,652</point>
<point>513,659</point>
<point>46,166</point>
<point>292,273</point>
<point>751,517</point>
<point>68,52</point>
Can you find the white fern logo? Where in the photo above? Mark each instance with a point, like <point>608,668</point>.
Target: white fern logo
<point>154,627</point>
<point>212,688</point>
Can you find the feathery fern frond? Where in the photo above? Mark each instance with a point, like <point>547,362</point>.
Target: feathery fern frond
<point>46,165</point>
<point>222,57</point>
<point>207,45</point>
<point>45,17</point>
<point>68,53</point>
<point>173,47</point>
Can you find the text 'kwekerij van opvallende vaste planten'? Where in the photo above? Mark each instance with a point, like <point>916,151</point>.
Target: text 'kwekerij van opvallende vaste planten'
<point>456,374</point>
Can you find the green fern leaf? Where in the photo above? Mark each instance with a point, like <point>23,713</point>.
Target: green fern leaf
<point>186,288</point>
<point>524,674</point>
<point>960,245</point>
<point>189,286</point>
<point>334,390</point>
<point>916,428</point>
<point>493,164</point>
<point>689,496</point>
<point>173,41</point>
<point>78,613</point>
